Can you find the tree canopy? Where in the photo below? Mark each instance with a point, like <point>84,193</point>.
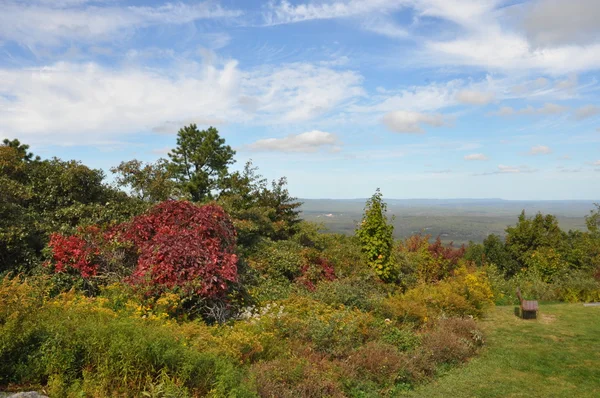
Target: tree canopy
<point>200,161</point>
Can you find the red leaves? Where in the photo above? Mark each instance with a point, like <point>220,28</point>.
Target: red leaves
<point>450,253</point>
<point>178,244</point>
<point>316,269</point>
<point>72,252</point>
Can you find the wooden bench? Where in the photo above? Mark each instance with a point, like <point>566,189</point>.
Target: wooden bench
<point>529,308</point>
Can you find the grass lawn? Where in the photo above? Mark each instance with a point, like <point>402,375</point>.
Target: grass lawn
<point>557,355</point>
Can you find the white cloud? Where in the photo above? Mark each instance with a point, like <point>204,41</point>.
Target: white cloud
<point>540,150</point>
<point>284,12</point>
<point>596,163</point>
<point>373,14</point>
<point>503,169</point>
<point>474,97</point>
<point>476,156</point>
<point>546,109</point>
<point>88,102</point>
<point>50,23</point>
<point>310,141</point>
<point>482,33</point>
<point>301,91</point>
<point>416,98</point>
<point>552,109</point>
<point>587,112</point>
<point>569,83</point>
<point>410,122</point>
<point>509,52</point>
<point>508,169</point>
<point>385,27</point>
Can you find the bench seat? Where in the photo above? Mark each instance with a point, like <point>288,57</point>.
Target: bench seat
<point>529,305</point>
<point>529,308</point>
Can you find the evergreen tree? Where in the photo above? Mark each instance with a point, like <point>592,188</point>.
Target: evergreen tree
<point>200,161</point>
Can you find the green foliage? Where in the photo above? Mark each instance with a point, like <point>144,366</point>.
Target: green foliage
<point>547,263</point>
<point>258,211</point>
<point>466,293</point>
<point>376,237</point>
<point>571,286</point>
<point>120,344</point>
<point>496,253</point>
<point>49,196</point>
<point>529,234</point>
<point>148,182</point>
<point>200,161</point>
<point>352,292</point>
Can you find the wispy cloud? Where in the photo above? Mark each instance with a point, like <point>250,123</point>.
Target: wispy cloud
<point>474,97</point>
<point>476,156</point>
<point>52,23</point>
<point>546,109</point>
<point>587,112</point>
<point>102,101</point>
<point>504,169</point>
<point>310,141</point>
<point>411,122</point>
<point>540,150</point>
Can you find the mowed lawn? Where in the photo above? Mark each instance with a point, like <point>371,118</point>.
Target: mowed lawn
<point>557,355</point>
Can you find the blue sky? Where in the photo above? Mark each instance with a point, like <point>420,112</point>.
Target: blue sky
<point>422,98</point>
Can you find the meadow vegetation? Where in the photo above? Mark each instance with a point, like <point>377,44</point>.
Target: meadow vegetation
<point>185,279</point>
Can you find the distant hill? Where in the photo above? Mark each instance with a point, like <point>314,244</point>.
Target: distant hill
<point>458,220</point>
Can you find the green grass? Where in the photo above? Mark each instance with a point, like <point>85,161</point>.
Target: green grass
<point>557,355</point>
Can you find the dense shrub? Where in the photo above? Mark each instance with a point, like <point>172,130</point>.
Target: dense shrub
<point>353,292</point>
<point>176,244</point>
<point>571,286</point>
<point>453,340</point>
<point>185,246</point>
<point>430,262</point>
<point>99,352</point>
<point>466,293</point>
<point>295,377</point>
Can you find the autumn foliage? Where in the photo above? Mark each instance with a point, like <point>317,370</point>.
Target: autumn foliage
<point>73,252</point>
<point>176,244</point>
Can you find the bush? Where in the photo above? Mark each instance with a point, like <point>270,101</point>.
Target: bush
<point>465,294</point>
<point>351,292</point>
<point>99,352</point>
<point>175,245</point>
<point>576,287</point>
<point>295,377</point>
<point>428,262</point>
<point>453,340</point>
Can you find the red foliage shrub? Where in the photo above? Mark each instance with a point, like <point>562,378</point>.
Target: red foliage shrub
<point>315,270</point>
<point>176,244</point>
<point>449,253</point>
<point>72,252</point>
<point>434,260</point>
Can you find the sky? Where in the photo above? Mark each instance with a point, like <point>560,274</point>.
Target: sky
<point>421,98</point>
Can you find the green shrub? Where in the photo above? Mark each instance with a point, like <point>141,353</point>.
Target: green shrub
<point>281,259</point>
<point>351,292</point>
<point>466,293</point>
<point>74,343</point>
<point>577,286</point>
